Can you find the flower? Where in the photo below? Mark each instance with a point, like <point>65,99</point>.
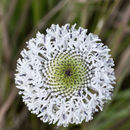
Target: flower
<point>65,76</point>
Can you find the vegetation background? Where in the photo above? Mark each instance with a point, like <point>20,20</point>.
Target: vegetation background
<point>21,19</point>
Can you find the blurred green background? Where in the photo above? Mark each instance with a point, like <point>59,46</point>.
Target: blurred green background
<point>21,19</point>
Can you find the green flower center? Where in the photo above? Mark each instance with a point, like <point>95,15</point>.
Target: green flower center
<point>67,72</point>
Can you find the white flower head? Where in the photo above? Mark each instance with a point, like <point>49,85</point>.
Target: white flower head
<point>65,76</point>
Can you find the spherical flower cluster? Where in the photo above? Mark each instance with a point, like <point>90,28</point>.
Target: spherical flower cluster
<point>65,76</point>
